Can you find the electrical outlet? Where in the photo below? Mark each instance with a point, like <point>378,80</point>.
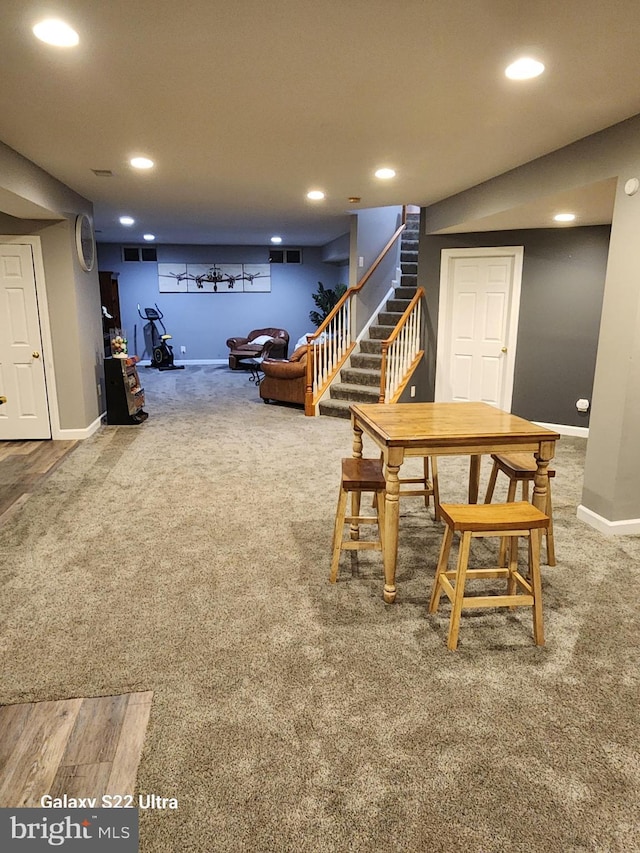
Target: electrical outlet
<point>183,350</point>
<point>99,390</point>
<point>413,390</point>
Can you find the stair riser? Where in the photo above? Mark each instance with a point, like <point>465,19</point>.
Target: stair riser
<point>359,395</point>
<point>371,346</point>
<point>389,318</point>
<point>405,291</point>
<point>334,411</point>
<point>408,256</point>
<point>398,306</point>
<point>409,269</point>
<point>360,377</point>
<point>365,361</point>
<point>380,333</point>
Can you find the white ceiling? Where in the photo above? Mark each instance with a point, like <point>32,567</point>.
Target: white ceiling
<point>245,106</point>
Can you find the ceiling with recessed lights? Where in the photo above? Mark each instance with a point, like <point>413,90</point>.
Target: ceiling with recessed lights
<point>244,108</point>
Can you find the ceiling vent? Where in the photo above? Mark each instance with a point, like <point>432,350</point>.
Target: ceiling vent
<point>102,173</point>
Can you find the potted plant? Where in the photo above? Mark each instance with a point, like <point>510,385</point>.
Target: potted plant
<point>325,298</point>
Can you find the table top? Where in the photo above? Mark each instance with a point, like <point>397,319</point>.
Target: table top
<point>420,424</point>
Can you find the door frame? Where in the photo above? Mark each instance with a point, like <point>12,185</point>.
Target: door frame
<point>45,329</point>
<point>445,318</point>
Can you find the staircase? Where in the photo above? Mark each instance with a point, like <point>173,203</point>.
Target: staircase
<point>360,378</point>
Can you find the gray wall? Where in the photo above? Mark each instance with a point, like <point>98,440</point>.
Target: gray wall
<point>560,305</point>
<point>73,298</point>
<point>612,468</point>
<point>373,230</point>
<point>202,322</point>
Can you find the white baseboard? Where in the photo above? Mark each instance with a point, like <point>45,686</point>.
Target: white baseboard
<point>580,432</point>
<point>625,527</point>
<point>201,361</point>
<point>78,434</point>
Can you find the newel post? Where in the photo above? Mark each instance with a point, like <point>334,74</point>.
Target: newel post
<point>383,372</point>
<point>308,390</point>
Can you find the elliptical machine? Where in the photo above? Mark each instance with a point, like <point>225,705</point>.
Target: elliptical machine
<point>162,352</point>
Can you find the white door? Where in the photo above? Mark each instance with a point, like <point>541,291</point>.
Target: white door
<point>22,381</point>
<point>477,324</point>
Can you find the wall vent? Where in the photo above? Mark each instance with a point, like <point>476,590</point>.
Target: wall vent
<point>139,253</point>
<point>102,173</point>
<point>285,256</point>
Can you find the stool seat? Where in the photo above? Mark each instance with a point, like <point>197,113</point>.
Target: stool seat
<point>498,517</point>
<point>364,475</point>
<point>508,521</point>
<point>358,476</point>
<point>521,465</point>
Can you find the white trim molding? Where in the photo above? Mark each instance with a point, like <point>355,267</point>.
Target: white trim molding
<point>78,434</point>
<point>579,432</point>
<point>200,361</point>
<point>625,527</point>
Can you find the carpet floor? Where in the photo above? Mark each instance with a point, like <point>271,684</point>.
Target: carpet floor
<point>190,556</point>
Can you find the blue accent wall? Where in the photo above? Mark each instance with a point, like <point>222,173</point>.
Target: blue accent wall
<point>202,322</point>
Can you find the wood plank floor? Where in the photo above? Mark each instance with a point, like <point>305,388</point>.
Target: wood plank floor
<point>78,747</point>
<point>23,466</point>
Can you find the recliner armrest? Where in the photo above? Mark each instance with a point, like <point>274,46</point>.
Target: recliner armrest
<point>234,343</point>
<point>283,369</point>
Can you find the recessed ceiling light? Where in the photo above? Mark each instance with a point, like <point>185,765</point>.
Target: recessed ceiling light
<point>141,163</point>
<point>127,220</point>
<point>524,69</point>
<point>149,237</point>
<point>564,217</point>
<point>276,239</point>
<point>56,33</point>
<point>315,195</point>
<point>385,174</point>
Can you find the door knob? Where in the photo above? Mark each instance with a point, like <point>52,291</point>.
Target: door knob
<point>504,349</point>
<point>35,354</point>
<point>3,400</point>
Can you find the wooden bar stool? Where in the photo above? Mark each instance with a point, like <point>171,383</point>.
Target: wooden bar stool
<point>521,468</point>
<point>508,521</point>
<point>358,476</point>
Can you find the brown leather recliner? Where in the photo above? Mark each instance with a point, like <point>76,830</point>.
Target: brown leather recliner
<point>242,348</point>
<point>285,381</point>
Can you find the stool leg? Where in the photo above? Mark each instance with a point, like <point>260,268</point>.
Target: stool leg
<point>461,575</point>
<point>379,499</point>
<point>536,583</point>
<point>355,511</point>
<point>513,566</point>
<point>436,488</point>
<point>337,534</point>
<point>511,496</point>
<point>551,549</point>
<point>443,562</point>
<point>492,483</point>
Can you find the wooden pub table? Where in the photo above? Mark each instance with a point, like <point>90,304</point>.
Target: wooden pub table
<point>444,429</point>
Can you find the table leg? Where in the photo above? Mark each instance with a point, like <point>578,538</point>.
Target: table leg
<point>474,478</point>
<point>541,481</point>
<point>541,477</point>
<point>390,539</point>
<point>357,442</point>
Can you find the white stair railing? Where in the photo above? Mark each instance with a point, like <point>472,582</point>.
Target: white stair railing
<point>329,347</point>
<point>401,352</point>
